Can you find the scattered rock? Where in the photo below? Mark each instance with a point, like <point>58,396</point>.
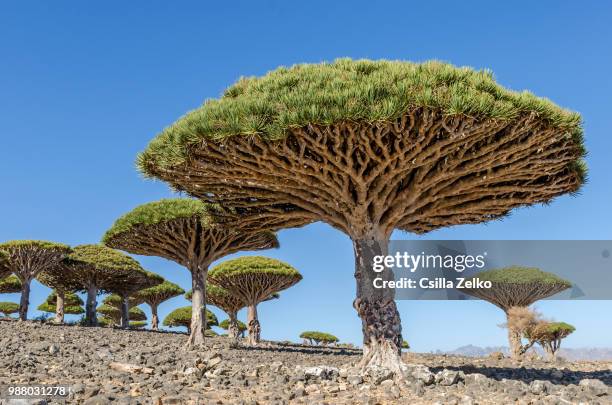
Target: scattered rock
<point>593,386</point>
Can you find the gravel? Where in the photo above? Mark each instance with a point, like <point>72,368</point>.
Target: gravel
<point>112,366</point>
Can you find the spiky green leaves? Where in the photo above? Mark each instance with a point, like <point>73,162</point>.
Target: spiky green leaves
<point>159,293</point>
<point>27,258</point>
<point>68,309</point>
<point>182,317</point>
<point>69,299</point>
<point>254,278</point>
<point>7,308</point>
<point>10,284</point>
<point>517,286</point>
<point>345,90</point>
<point>109,270</point>
<point>319,337</point>
<point>159,212</point>
<point>116,301</point>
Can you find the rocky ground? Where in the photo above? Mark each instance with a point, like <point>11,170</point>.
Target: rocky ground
<point>104,366</point>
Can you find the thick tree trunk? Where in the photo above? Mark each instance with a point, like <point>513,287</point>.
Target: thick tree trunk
<point>233,329</point>
<point>253,325</point>
<point>125,312</point>
<point>90,306</point>
<point>198,306</point>
<point>59,307</point>
<point>24,301</point>
<point>154,318</point>
<point>381,324</point>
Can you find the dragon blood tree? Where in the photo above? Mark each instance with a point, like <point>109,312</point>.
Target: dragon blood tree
<point>513,287</point>
<point>154,296</point>
<point>71,304</point>
<point>226,301</point>
<point>26,259</point>
<point>254,279</point>
<point>8,308</point>
<point>4,270</point>
<point>98,269</point>
<point>60,278</point>
<point>114,316</point>
<point>550,334</point>
<point>10,284</point>
<point>182,317</point>
<point>190,233</point>
<point>133,282</point>
<point>369,147</point>
<point>239,328</point>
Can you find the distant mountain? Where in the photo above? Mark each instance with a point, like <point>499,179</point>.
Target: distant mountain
<point>583,353</point>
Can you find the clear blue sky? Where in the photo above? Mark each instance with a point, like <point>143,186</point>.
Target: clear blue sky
<point>84,87</point>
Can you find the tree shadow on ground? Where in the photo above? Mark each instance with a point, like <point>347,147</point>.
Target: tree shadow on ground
<point>334,351</point>
<point>527,375</point>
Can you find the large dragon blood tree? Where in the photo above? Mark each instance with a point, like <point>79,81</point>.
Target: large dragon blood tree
<point>369,147</point>
<point>254,279</point>
<point>190,233</point>
<point>516,287</point>
<point>26,259</point>
<point>154,296</point>
<point>71,304</point>
<point>97,269</point>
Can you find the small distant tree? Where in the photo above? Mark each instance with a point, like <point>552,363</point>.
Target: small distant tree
<point>115,300</point>
<point>61,279</point>
<point>240,326</point>
<point>254,279</point>
<point>517,287</point>
<point>26,259</point>
<point>114,316</point>
<point>71,304</point>
<point>549,335</point>
<point>318,337</point>
<point>226,301</point>
<point>138,324</point>
<point>134,281</point>
<point>190,233</point>
<point>10,284</point>
<point>8,308</point>
<point>405,345</point>
<point>154,296</point>
<point>98,269</point>
<point>182,317</point>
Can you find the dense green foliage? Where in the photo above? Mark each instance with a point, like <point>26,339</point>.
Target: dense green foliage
<point>115,301</point>
<point>347,90</point>
<point>158,212</point>
<point>68,309</point>
<point>159,293</point>
<point>40,244</point>
<point>405,345</point>
<point>521,275</point>
<point>8,308</point>
<point>114,314</point>
<point>225,325</point>
<point>319,337</point>
<point>558,328</point>
<point>138,324</point>
<point>104,258</point>
<point>70,298</point>
<point>10,284</point>
<point>182,317</point>
<point>253,265</point>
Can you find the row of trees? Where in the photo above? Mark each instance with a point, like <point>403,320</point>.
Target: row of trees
<point>514,289</point>
<point>367,147</point>
<point>94,269</point>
